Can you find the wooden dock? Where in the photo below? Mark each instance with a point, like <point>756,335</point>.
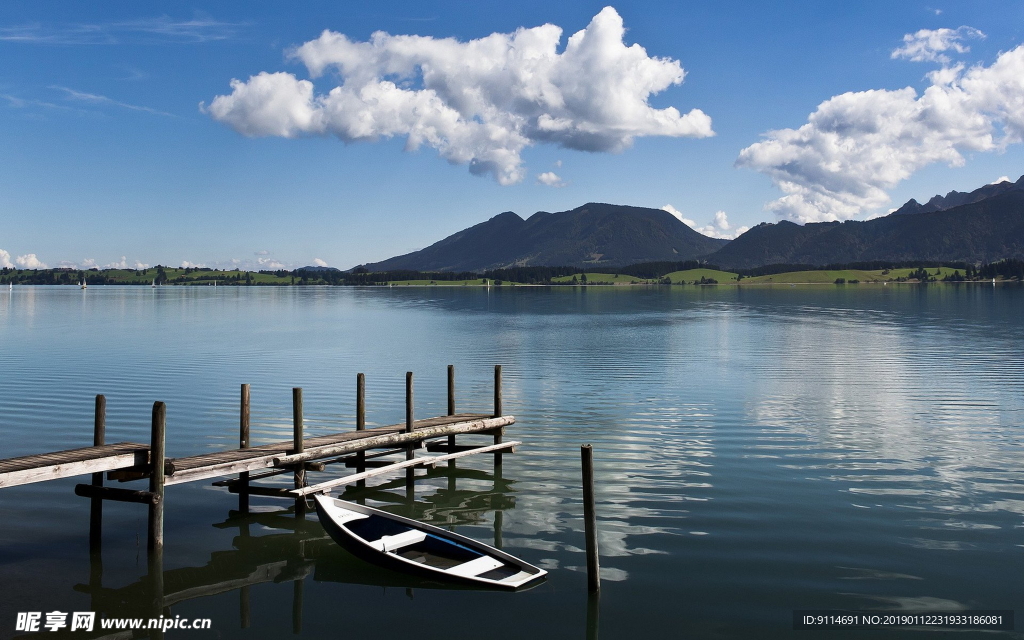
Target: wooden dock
<point>73,462</point>
<point>127,461</point>
<point>280,454</point>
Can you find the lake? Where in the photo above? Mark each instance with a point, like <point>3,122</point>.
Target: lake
<point>758,450</point>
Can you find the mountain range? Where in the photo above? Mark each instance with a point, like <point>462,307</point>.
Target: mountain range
<point>983,225</point>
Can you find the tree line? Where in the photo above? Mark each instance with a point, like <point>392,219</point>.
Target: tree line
<point>1007,269</point>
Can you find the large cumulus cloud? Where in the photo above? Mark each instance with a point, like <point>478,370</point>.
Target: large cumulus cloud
<point>479,102</point>
<point>856,146</point>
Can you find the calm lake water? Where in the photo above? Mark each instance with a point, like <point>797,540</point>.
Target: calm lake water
<point>758,450</point>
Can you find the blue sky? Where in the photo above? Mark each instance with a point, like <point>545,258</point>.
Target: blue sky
<point>108,156</point>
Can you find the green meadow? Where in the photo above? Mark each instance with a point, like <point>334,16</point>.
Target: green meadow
<point>829,277</point>
<point>603,278</point>
<point>450,283</point>
<point>695,275</point>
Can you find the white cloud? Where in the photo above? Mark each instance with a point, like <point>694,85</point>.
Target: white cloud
<point>550,178</point>
<point>319,263</point>
<point>679,215</point>
<point>185,264</point>
<point>1001,179</point>
<point>262,252</point>
<point>269,264</point>
<point>929,45</point>
<point>141,265</point>
<point>5,260</point>
<point>857,145</point>
<point>123,264</point>
<point>719,227</point>
<point>479,102</point>
<point>30,261</point>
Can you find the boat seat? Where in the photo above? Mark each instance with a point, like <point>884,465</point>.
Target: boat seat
<point>517,578</point>
<point>475,567</point>
<point>399,540</point>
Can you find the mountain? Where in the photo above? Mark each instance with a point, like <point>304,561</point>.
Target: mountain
<point>957,198</point>
<point>595,235</point>
<point>318,268</point>
<point>983,231</point>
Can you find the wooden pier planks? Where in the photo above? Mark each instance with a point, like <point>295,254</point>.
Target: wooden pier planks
<point>73,462</point>
<point>221,463</point>
<point>425,461</point>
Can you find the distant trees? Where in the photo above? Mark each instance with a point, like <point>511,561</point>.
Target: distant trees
<point>921,274</point>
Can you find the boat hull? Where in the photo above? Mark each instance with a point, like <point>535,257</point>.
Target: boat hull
<point>408,546</point>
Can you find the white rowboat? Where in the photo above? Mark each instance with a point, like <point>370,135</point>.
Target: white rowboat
<point>406,545</point>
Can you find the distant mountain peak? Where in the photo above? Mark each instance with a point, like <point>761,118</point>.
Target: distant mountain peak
<point>958,198</point>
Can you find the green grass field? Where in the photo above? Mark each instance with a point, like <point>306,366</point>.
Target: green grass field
<point>829,277</point>
<point>903,273</point>
<point>604,278</point>
<point>817,277</point>
<point>192,277</point>
<point>450,283</point>
<point>694,275</point>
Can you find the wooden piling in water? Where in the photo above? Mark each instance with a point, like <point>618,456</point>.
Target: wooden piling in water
<point>156,477</point>
<point>297,447</point>
<point>99,430</point>
<point>409,452</point>
<point>243,443</point>
<point>155,539</point>
<point>361,423</point>
<point>497,412</point>
<point>590,519</point>
<point>451,409</point>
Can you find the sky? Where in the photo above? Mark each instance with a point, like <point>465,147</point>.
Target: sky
<point>272,135</point>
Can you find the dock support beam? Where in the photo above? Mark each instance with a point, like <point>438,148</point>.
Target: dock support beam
<point>243,443</point>
<point>590,519</point>
<point>99,429</point>
<point>361,423</point>
<point>298,447</point>
<point>410,482</point>
<point>497,414</point>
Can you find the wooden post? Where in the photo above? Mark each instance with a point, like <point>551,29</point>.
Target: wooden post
<point>409,453</point>
<point>360,423</point>
<point>99,430</point>
<point>155,544</point>
<point>451,389</point>
<point>155,539</point>
<point>298,447</point>
<point>590,519</point>
<point>497,413</point>
<point>451,409</point>
<point>497,391</point>
<point>243,443</point>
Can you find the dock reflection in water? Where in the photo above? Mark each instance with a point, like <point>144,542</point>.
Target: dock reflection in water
<point>298,548</point>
